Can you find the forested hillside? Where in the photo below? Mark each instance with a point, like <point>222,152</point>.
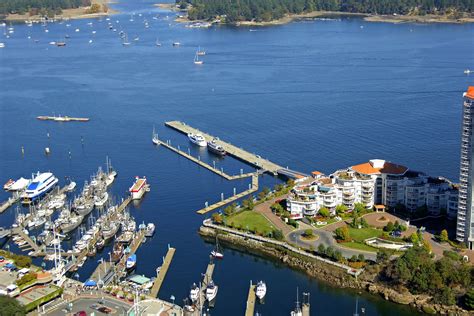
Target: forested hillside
<point>34,6</point>
<point>266,10</point>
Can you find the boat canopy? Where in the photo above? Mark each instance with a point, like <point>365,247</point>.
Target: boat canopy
<point>90,283</point>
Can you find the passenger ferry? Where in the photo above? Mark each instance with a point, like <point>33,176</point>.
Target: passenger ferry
<point>139,188</point>
<point>197,139</point>
<point>41,184</point>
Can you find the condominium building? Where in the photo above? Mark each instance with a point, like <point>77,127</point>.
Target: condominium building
<point>374,182</point>
<point>465,216</point>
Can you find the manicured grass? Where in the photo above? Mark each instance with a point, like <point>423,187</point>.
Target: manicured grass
<point>250,220</point>
<point>359,235</point>
<point>358,246</point>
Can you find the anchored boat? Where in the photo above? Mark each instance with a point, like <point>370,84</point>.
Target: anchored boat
<point>197,139</point>
<point>139,188</point>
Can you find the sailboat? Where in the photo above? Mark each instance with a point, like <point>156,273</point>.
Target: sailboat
<point>297,311</point>
<point>196,60</point>
<point>200,52</point>
<point>157,43</point>
<point>155,138</point>
<point>217,252</point>
<point>125,41</point>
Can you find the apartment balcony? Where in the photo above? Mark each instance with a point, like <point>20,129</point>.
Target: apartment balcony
<point>461,218</point>
<point>463,196</point>
<point>463,190</point>
<point>466,169</point>
<point>461,213</point>
<point>465,163</point>
<point>461,224</point>
<point>347,193</point>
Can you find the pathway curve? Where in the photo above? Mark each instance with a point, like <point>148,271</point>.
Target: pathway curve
<point>265,210</point>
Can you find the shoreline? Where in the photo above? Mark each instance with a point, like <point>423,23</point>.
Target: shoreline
<point>395,19</point>
<point>67,14</point>
<point>328,273</point>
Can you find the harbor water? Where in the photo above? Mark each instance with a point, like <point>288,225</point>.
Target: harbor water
<point>310,95</point>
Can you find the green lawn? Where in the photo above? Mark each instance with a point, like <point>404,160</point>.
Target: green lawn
<point>358,246</point>
<point>359,235</point>
<point>252,221</point>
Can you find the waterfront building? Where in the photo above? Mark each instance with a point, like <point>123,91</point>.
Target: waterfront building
<point>374,182</point>
<point>465,216</point>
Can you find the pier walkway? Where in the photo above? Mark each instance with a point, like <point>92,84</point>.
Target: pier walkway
<point>198,161</point>
<point>249,310</point>
<point>11,200</point>
<point>19,231</point>
<point>252,188</point>
<point>232,150</point>
<point>136,242</point>
<point>104,272</point>
<point>162,274</point>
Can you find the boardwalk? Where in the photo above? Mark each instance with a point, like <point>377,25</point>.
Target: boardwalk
<point>11,200</point>
<point>162,274</point>
<point>232,150</point>
<point>253,188</point>
<point>249,310</point>
<point>103,272</point>
<point>133,247</point>
<point>19,231</point>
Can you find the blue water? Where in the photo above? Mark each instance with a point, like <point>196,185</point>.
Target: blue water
<point>318,95</point>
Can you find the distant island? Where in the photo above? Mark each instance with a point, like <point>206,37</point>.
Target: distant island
<point>265,12</point>
<point>51,9</point>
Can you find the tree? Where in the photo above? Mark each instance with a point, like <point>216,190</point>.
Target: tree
<point>261,195</point>
<point>414,239</point>
<point>469,299</point>
<point>322,251</point>
<point>338,256</point>
<point>248,203</point>
<point>277,208</point>
<point>341,209</point>
<point>228,210</point>
<point>361,257</point>
<point>330,252</point>
<point>266,190</point>
<point>308,233</point>
<point>443,236</point>
<point>427,245</point>
<point>359,208</point>
<point>324,212</point>
<point>382,256</point>
<point>217,218</point>
<point>389,227</point>
<point>342,233</point>
<point>278,234</point>
<point>364,223</point>
<point>11,307</point>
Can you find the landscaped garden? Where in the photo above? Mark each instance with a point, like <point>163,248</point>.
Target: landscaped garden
<point>250,221</point>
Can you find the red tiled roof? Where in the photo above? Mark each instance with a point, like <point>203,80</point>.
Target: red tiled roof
<point>316,173</point>
<point>388,168</point>
<point>470,92</point>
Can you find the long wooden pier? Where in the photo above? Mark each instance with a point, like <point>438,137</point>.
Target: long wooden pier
<point>232,150</point>
<point>249,310</point>
<point>11,200</point>
<point>253,188</point>
<point>162,274</point>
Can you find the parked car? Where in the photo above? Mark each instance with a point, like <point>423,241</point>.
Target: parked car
<point>81,313</point>
<point>396,233</point>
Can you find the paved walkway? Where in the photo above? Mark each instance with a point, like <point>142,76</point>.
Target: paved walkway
<point>264,209</point>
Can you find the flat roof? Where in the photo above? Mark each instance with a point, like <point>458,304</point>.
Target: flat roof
<point>139,279</point>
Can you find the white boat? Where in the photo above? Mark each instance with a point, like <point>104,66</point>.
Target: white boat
<point>194,293</point>
<point>217,252</point>
<point>101,199</point>
<point>200,52</point>
<point>211,291</point>
<point>41,184</point>
<point>71,186</point>
<point>138,188</point>
<point>261,290</point>
<point>297,311</point>
<point>467,71</point>
<point>176,44</point>
<point>150,230</point>
<point>131,262</point>
<point>197,61</point>
<point>157,43</point>
<point>125,41</point>
<point>7,186</point>
<point>197,139</point>
<point>2,45</point>
<point>19,184</point>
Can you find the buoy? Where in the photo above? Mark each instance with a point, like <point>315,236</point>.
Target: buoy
<point>47,151</point>
<point>22,150</point>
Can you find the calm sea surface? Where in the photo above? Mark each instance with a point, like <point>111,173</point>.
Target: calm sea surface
<point>317,95</point>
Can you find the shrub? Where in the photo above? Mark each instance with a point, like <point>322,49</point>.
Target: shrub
<point>389,227</point>
<point>322,249</point>
<point>443,236</point>
<point>10,306</point>
<point>26,278</point>
<point>324,212</point>
<point>469,299</point>
<point>217,218</point>
<point>278,234</point>
<point>308,233</point>
<point>342,233</point>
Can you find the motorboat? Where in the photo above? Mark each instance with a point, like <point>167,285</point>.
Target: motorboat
<point>194,293</point>
<point>150,230</point>
<point>261,290</point>
<point>197,139</point>
<point>131,262</point>
<point>211,291</point>
<point>215,148</point>
<point>8,184</point>
<point>71,186</point>
<point>100,200</point>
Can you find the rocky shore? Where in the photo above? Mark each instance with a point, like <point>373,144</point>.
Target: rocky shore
<point>330,274</point>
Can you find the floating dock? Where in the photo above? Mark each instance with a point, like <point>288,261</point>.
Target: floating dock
<point>253,188</point>
<point>251,299</point>
<point>231,150</point>
<point>11,200</point>
<point>162,274</point>
<point>219,172</point>
<point>104,272</point>
<point>63,118</point>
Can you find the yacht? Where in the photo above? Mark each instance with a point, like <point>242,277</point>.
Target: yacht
<point>109,231</point>
<point>467,71</point>
<point>176,44</point>
<point>72,223</point>
<point>216,148</point>
<point>71,186</point>
<point>261,290</point>
<point>217,252</point>
<point>211,291</point>
<point>150,230</point>
<point>101,199</point>
<point>41,184</point>
<point>2,45</point>
<point>197,139</point>
<point>194,293</point>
